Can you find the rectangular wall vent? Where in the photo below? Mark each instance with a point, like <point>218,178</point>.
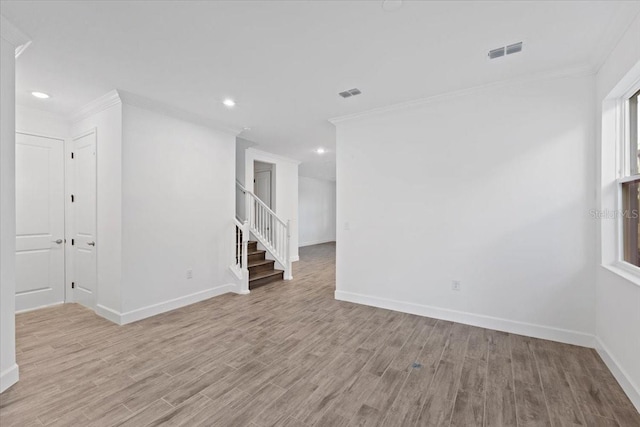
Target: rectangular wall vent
<point>505,50</point>
<point>350,92</point>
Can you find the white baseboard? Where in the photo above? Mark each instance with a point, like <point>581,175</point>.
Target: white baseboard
<point>163,307</point>
<point>108,313</point>
<point>316,242</point>
<point>630,388</point>
<point>496,323</point>
<point>26,310</point>
<point>9,377</point>
<point>295,258</point>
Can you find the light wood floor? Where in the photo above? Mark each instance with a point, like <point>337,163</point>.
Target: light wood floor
<point>290,355</point>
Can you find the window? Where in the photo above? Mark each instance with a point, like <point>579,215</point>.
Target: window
<point>630,182</point>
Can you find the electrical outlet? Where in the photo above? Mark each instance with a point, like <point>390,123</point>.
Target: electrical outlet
<point>347,226</point>
<point>456,285</point>
<point>189,274</point>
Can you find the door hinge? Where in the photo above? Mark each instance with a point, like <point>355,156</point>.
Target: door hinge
<point>73,242</point>
<point>73,285</point>
<point>72,154</point>
<point>72,198</point>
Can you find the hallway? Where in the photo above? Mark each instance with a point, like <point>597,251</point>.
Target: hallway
<point>289,354</point>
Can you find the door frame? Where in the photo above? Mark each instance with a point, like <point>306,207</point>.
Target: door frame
<point>65,144</point>
<point>69,292</point>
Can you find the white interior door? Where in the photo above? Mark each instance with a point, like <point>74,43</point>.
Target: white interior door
<point>82,209</point>
<point>262,186</point>
<point>39,221</point>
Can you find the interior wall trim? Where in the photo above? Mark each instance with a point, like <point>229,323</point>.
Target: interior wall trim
<point>499,324</point>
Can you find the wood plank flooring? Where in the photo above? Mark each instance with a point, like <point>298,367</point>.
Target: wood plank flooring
<point>288,354</point>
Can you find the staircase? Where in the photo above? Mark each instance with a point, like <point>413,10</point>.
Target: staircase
<point>251,266</point>
<point>261,270</point>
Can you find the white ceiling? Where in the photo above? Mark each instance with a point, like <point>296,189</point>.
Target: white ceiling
<point>285,62</point>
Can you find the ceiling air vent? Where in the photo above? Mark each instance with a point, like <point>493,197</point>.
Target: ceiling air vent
<point>350,92</point>
<point>508,50</point>
<point>514,48</point>
<point>496,53</point>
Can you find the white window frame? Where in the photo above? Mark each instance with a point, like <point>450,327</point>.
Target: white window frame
<point>623,168</point>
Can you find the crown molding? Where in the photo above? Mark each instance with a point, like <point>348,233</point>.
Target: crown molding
<point>168,110</point>
<point>612,36</point>
<point>116,97</point>
<point>584,70</point>
<point>97,105</point>
<point>12,34</point>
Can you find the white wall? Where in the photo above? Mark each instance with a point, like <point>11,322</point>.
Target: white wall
<point>8,366</point>
<point>40,122</point>
<point>240,177</point>
<point>108,126</point>
<point>165,205</point>
<point>178,208</point>
<point>618,299</point>
<point>316,211</point>
<point>286,177</point>
<point>241,149</point>
<point>491,187</point>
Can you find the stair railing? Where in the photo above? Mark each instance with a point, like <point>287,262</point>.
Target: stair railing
<point>271,231</point>
<point>241,267</point>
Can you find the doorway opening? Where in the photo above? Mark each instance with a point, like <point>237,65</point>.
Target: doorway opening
<point>264,187</point>
<point>264,183</point>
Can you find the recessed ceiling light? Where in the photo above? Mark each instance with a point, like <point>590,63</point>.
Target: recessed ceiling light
<point>229,102</point>
<point>391,5</point>
<point>40,95</point>
<point>320,150</point>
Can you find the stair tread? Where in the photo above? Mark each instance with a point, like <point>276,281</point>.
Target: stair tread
<point>265,274</point>
<point>257,251</point>
<point>260,262</point>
